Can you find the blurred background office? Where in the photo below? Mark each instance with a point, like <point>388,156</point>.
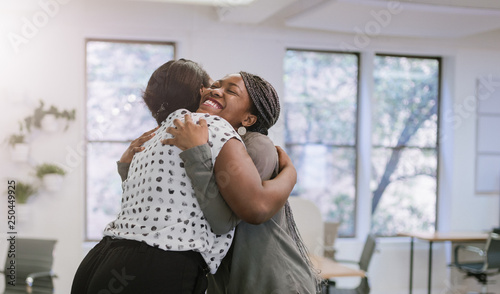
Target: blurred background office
<point>390,110</point>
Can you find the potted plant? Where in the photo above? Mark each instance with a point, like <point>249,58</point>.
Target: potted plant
<point>19,148</point>
<point>24,191</point>
<point>51,176</point>
<point>48,120</point>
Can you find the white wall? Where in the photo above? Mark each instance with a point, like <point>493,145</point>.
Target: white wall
<point>50,65</point>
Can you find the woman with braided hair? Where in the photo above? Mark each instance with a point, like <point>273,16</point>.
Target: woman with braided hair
<point>267,255</point>
<point>160,241</point>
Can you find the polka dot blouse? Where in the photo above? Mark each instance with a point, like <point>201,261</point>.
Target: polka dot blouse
<point>158,203</point>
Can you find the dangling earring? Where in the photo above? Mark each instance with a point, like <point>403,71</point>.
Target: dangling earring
<point>242,130</point>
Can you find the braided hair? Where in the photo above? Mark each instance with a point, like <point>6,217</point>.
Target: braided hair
<point>265,100</point>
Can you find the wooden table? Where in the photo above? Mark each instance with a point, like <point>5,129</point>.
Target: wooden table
<point>331,269</point>
<point>439,237</point>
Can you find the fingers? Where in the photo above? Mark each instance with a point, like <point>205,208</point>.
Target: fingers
<point>137,149</point>
<point>144,137</point>
<point>188,119</point>
<point>283,158</point>
<point>203,123</point>
<point>172,131</point>
<point>178,123</point>
<point>281,152</point>
<point>170,141</point>
<point>150,131</point>
<point>139,141</point>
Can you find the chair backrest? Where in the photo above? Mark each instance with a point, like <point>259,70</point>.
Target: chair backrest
<point>493,251</point>
<point>309,223</point>
<point>331,232</point>
<point>31,256</point>
<point>367,253</point>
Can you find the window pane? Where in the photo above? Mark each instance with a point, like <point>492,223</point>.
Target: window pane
<point>320,97</point>
<point>406,101</point>
<point>409,199</point>
<point>117,73</point>
<point>104,187</point>
<point>404,188</point>
<point>320,130</point>
<point>325,175</point>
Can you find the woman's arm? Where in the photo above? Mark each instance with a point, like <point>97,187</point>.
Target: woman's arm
<point>252,199</point>
<point>238,180</point>
<point>134,147</point>
<point>199,168</point>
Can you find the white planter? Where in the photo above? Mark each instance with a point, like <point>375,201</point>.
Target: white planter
<point>24,213</point>
<point>52,182</point>
<point>20,152</point>
<point>50,123</point>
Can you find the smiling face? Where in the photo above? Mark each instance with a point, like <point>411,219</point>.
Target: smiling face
<point>229,99</point>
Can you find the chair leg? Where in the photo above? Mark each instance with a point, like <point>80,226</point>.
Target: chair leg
<point>325,286</point>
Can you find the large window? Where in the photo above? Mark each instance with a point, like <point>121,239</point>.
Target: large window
<point>321,90</point>
<point>404,138</point>
<point>321,102</point>
<point>117,73</point>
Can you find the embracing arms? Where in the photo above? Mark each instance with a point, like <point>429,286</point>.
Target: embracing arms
<point>252,199</point>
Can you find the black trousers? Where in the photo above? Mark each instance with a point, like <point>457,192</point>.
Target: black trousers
<point>132,267</point>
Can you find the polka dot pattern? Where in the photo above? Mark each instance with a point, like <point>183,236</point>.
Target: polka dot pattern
<point>158,203</point>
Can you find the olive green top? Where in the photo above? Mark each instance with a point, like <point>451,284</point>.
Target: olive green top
<point>263,259</point>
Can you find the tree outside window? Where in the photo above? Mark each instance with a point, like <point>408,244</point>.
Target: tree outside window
<point>321,90</point>
<point>320,136</point>
<point>405,144</point>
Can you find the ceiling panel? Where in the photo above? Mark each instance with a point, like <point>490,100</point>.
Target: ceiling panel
<point>255,13</point>
<point>393,18</point>
<point>487,4</point>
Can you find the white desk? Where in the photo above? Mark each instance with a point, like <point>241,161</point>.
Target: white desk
<point>331,269</point>
<point>439,237</point>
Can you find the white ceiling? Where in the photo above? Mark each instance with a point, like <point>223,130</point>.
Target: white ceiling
<point>378,17</point>
<point>410,18</point>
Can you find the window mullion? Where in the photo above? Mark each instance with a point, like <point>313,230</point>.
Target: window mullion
<point>364,140</point>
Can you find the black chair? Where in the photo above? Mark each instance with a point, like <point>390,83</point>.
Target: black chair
<point>363,263</point>
<point>488,265</point>
<point>32,259</point>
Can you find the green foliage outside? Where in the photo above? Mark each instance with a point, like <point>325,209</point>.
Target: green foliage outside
<point>321,110</point>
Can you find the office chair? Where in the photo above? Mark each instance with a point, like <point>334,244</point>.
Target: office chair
<point>33,266</point>
<point>331,232</point>
<point>363,263</point>
<point>489,264</point>
<point>310,224</point>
